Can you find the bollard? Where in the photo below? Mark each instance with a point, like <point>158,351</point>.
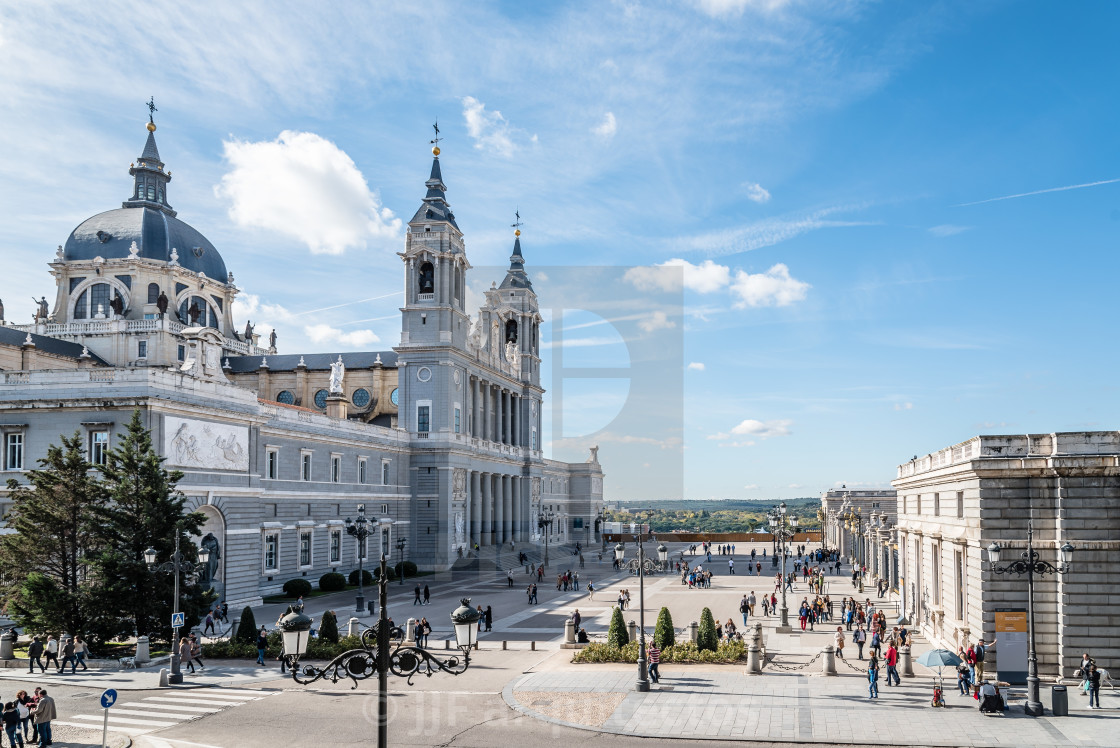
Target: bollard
<point>632,630</point>
<point>233,629</point>
<point>829,666</point>
<point>7,645</point>
<point>905,667</point>
<point>754,663</point>
<point>353,627</point>
<point>504,643</point>
<point>532,646</point>
<point>693,632</point>
<point>163,678</point>
<point>143,651</point>
<point>410,630</point>
<point>569,631</point>
<point>757,635</point>
<point>447,644</point>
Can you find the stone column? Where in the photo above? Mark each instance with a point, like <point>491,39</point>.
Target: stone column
<point>515,419</point>
<point>507,509</point>
<point>500,519</point>
<point>486,534</point>
<point>476,507</point>
<point>518,515</point>
<point>507,424</point>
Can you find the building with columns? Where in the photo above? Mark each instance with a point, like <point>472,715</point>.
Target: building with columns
<point>858,524</point>
<point>954,503</point>
<point>438,439</point>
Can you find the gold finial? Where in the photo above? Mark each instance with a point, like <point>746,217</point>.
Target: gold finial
<point>517,233</point>
<point>151,126</point>
<point>435,151</point>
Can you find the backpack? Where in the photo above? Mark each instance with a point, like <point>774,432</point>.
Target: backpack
<point>743,606</point>
<point>980,654</point>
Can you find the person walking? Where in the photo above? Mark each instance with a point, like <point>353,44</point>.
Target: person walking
<point>489,618</point>
<point>591,591</point>
<point>427,595</point>
<point>11,724</point>
<point>209,623</point>
<point>1094,687</point>
<point>653,657</point>
<point>196,652</point>
<point>52,651</point>
<point>859,637</point>
<point>892,664</point>
<point>744,608</point>
<point>730,566</point>
<point>68,657</point>
<point>262,645</point>
<point>840,642</point>
<point>185,654</point>
<point>45,712</point>
<point>80,651</point>
<point>417,592</point>
<point>873,679</point>
<point>35,655</point>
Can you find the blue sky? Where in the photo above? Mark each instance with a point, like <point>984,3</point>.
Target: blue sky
<point>826,174</point>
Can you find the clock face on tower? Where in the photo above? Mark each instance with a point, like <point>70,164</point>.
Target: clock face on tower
<point>393,397</point>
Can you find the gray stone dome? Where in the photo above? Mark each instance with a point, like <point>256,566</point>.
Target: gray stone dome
<point>111,234</point>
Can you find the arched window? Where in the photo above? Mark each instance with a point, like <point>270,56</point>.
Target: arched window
<point>81,306</point>
<point>153,293</point>
<point>511,331</point>
<point>427,278</point>
<point>99,299</point>
<point>161,194</point>
<point>286,397</point>
<point>206,314</point>
<point>151,192</point>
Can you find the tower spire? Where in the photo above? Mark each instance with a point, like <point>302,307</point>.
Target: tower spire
<point>149,187</point>
<point>435,207</point>
<point>516,277</point>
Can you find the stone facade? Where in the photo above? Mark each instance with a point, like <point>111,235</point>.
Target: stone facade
<point>859,524</point>
<point>439,439</point>
<point>954,503</point>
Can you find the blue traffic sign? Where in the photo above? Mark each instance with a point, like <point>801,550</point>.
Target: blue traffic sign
<point>108,698</point>
<point>178,620</point>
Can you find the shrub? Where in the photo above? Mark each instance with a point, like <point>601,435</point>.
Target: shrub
<point>367,578</point>
<point>409,569</point>
<point>247,629</point>
<point>663,632</point>
<point>682,652</point>
<point>297,587</point>
<point>328,629</point>
<point>617,635</point>
<point>706,638</point>
<point>332,581</point>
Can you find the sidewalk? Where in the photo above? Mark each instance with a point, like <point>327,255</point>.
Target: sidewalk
<point>216,673</point>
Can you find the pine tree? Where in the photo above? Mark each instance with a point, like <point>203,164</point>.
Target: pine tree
<point>617,635</point>
<point>706,636</point>
<point>44,563</point>
<point>663,635</point>
<point>247,628</point>
<point>145,511</point>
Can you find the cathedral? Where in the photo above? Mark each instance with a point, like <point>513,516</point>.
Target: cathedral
<point>438,440</point>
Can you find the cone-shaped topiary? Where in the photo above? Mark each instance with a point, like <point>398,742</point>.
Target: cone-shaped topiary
<point>663,632</point>
<point>706,636</point>
<point>328,629</point>
<point>247,629</point>
<point>617,635</point>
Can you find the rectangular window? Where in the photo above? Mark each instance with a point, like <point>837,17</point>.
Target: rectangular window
<point>937,505</point>
<point>142,349</point>
<point>384,510</point>
<point>272,464</point>
<point>361,469</point>
<point>385,472</point>
<point>385,541</point>
<point>958,562</point>
<point>936,558</point>
<point>960,503</point>
<point>423,418</point>
<point>271,551</point>
<point>336,468</point>
<point>305,549</point>
<point>533,445</point>
<point>336,546</point>
<point>98,447</point>
<point>13,452</point>
<point>918,504</point>
<point>182,354</point>
<point>305,466</point>
<point>458,417</point>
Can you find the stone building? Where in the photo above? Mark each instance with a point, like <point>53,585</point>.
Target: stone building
<point>859,524</point>
<point>954,503</point>
<point>439,439</point>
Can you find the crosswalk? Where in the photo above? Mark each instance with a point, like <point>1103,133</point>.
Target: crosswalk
<point>168,709</point>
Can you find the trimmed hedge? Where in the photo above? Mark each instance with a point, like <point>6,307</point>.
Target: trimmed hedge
<point>409,569</point>
<point>663,632</point>
<point>617,635</point>
<point>298,587</point>
<point>682,652</point>
<point>317,648</point>
<point>247,629</point>
<point>706,640</point>
<point>328,629</point>
<point>332,581</point>
<point>367,578</point>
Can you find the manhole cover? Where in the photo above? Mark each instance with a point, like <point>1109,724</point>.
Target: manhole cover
<point>82,695</point>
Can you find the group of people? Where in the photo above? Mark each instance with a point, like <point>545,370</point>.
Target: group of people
<point>567,580</point>
<point>36,711</point>
<point>63,651</point>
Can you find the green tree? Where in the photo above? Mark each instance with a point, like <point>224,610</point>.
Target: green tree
<point>44,562</point>
<point>706,637</point>
<point>328,629</point>
<point>617,634</point>
<point>663,635</point>
<point>146,511</point>
<point>247,628</point>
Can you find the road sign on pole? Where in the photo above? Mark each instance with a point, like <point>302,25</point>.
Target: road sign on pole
<point>108,698</point>
<point>177,620</point>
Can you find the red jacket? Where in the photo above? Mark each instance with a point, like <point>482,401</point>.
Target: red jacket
<point>892,656</point>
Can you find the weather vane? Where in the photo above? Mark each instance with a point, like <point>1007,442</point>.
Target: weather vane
<point>516,225</point>
<point>152,109</point>
<point>437,138</point>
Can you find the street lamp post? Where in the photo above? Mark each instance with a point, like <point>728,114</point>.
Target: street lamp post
<point>176,566</point>
<point>642,684</point>
<point>374,655</point>
<point>359,529</point>
<point>783,527</point>
<point>1030,565</point>
<point>400,554</point>
<point>544,524</point>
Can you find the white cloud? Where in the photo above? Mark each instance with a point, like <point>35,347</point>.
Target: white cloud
<point>904,406</point>
<point>736,7</point>
<point>775,287</point>
<point>607,128</point>
<point>303,186</point>
<point>703,278</point>
<point>322,333</point>
<point>765,233</point>
<point>656,321</point>
<point>763,429</point>
<point>750,487</point>
<point>756,192</point>
<point>490,130</point>
<point>947,229</point>
<point>696,366</point>
<point>796,485</point>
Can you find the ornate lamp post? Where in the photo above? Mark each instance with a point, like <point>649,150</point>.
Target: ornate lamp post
<point>782,527</point>
<point>544,525</point>
<point>401,542</point>
<point>375,656</point>
<point>177,565</point>
<point>663,557</point>
<point>1030,565</point>
<point>359,529</point>
<point>619,554</point>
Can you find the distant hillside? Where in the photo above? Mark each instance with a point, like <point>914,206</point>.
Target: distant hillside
<point>730,515</point>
